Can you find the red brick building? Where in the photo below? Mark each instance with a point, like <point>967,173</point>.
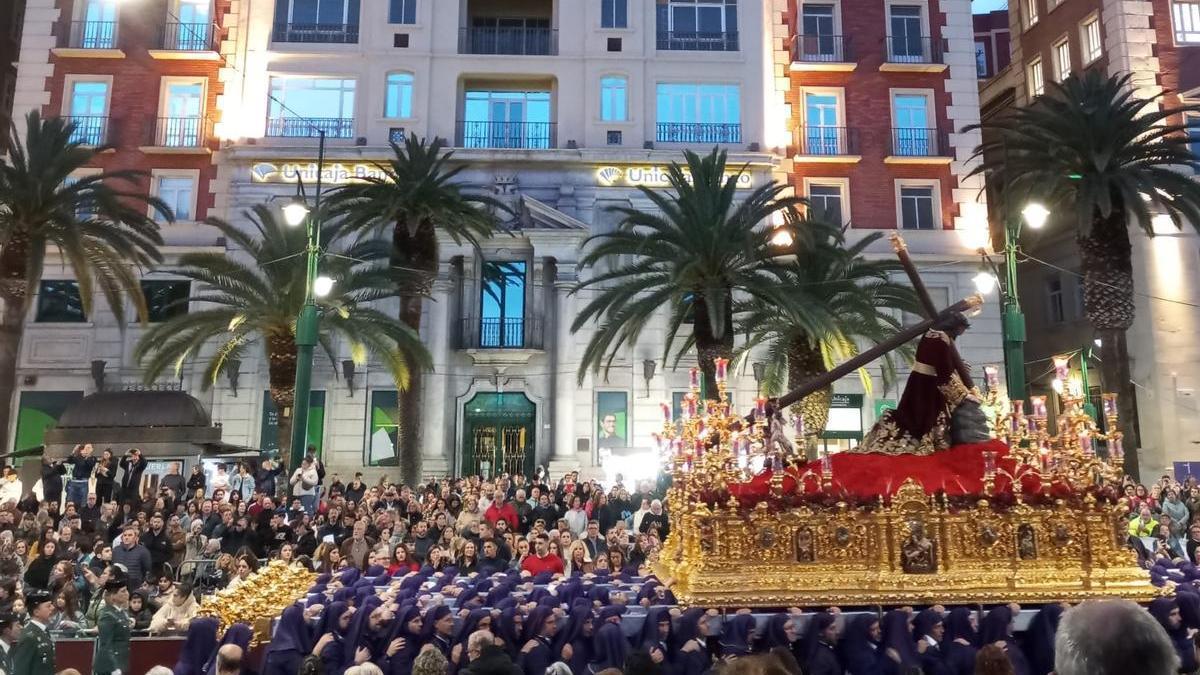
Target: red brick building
<point>12,20</point>
<point>992,48</point>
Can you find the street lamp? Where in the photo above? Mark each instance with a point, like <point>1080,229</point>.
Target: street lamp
<point>294,212</point>
<point>1012,319</point>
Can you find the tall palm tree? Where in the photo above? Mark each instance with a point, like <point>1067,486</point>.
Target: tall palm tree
<point>418,197</point>
<point>1101,157</point>
<point>97,222</point>
<point>837,299</point>
<point>255,299</point>
<point>700,249</point>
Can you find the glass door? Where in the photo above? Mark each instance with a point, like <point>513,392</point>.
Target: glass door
<point>821,129</point>
<point>89,107</point>
<point>184,108</point>
<point>817,40</point>
<point>906,44</point>
<point>99,29</point>
<point>912,135</point>
<point>192,33</point>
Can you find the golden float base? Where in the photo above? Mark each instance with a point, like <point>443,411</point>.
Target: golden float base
<point>914,550</point>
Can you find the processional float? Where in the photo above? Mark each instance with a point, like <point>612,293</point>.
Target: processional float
<point>1034,514</point>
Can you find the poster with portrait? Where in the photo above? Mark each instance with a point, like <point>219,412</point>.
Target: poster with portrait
<point>612,419</point>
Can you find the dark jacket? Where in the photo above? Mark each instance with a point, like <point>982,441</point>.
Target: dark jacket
<point>492,661</point>
<point>159,546</point>
<point>131,482</point>
<point>136,561</point>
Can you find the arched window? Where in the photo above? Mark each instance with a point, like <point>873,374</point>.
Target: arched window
<point>398,95</point>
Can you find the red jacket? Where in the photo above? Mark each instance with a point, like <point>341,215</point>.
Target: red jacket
<point>506,512</point>
<point>535,565</point>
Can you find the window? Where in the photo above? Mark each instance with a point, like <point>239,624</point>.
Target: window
<point>613,107</point>
<point>1055,304</point>
<point>398,95</point>
<point>818,32</point>
<point>189,26</point>
<point>912,135</point>
<point>703,25</point>
<point>89,110</point>
<point>823,133</point>
<point>699,113</point>
<point>1062,60</point>
<point>981,67</point>
<point>179,124</point>
<point>919,208</point>
<point>402,11</point>
<point>97,28</point>
<point>300,106</point>
<point>166,299</point>
<point>508,119</point>
<point>614,13</point>
<point>383,429</point>
<point>59,302</point>
<point>179,192</point>
<point>1035,85</point>
<point>502,305</point>
<point>1089,39</point>
<point>1031,12</point>
<point>906,40</point>
<point>316,21</point>
<point>827,202</point>
<point>1185,14</point>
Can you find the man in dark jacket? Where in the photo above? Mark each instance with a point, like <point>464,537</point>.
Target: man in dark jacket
<point>485,658</point>
<point>52,485</point>
<point>133,556</point>
<point>156,542</point>
<point>264,478</point>
<point>131,483</point>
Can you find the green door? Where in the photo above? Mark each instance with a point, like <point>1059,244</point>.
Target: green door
<point>498,435</point>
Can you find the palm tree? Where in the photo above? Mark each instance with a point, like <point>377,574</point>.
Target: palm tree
<point>1100,156</point>
<point>701,248</point>
<point>256,298</point>
<point>98,223</point>
<point>417,198</point>
<point>837,298</point>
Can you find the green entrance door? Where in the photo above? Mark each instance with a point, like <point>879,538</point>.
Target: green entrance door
<point>498,434</point>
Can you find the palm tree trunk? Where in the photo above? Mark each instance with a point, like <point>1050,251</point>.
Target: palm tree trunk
<point>710,346</point>
<point>14,292</point>
<point>281,376</point>
<point>414,249</point>
<point>805,362</point>
<point>1108,301</point>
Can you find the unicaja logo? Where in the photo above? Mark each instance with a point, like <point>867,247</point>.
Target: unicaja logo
<point>609,175</point>
<point>263,171</point>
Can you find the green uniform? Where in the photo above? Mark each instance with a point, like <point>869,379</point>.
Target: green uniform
<point>6,661</point>
<point>34,652</point>
<point>112,643</point>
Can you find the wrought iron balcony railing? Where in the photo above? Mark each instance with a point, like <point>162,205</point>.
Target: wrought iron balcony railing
<point>697,132</point>
<point>310,127</point>
<point>692,41</point>
<point>89,129</point>
<point>313,33</point>
<point>917,142</point>
<point>523,333</point>
<point>508,135</point>
<point>913,49</point>
<point>182,36</point>
<point>827,141</point>
<point>181,132</point>
<point>516,41</point>
<point>89,35</point>
<point>821,48</point>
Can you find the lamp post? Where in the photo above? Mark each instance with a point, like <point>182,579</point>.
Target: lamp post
<point>308,321</point>
<point>1012,324</point>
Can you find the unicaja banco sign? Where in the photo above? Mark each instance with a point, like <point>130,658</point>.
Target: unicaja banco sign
<point>333,173</point>
<point>654,177</point>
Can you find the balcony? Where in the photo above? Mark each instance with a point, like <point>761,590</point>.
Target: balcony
<point>827,145</point>
<point>89,129</point>
<point>310,127</point>
<point>500,341</point>
<point>179,135</point>
<point>509,41</point>
<point>822,53</point>
<point>315,33</point>
<point>188,41</point>
<point>910,53</point>
<point>918,146</point>
<point>508,135</point>
<point>90,39</point>
<point>691,41</point>
<point>696,132</point>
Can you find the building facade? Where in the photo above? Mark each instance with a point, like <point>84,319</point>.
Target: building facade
<point>12,22</point>
<point>992,49</point>
<point>1158,42</point>
<point>562,110</point>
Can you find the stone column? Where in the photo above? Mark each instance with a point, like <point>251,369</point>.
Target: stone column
<point>565,365</point>
<point>437,402</point>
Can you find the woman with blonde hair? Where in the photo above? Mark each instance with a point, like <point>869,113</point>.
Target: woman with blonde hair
<point>578,559</point>
<point>431,661</point>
